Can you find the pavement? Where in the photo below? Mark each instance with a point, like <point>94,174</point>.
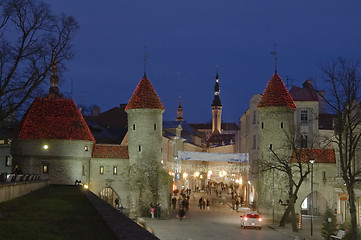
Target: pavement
<point>303,234</point>
<point>112,216</point>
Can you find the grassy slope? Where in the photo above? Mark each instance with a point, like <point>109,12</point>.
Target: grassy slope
<point>54,212</point>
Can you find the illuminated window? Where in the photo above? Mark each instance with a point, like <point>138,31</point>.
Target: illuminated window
<point>101,170</point>
<point>9,161</point>
<point>86,148</point>
<point>45,168</point>
<point>46,147</point>
<point>2,141</point>
<point>115,170</point>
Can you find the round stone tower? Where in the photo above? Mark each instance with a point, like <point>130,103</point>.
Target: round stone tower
<point>276,123</point>
<point>149,183</point>
<point>53,139</point>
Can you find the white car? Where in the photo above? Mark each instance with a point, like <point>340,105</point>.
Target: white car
<point>251,220</point>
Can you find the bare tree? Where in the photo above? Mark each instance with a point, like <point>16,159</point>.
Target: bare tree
<point>343,80</point>
<point>31,38</point>
<point>295,168</point>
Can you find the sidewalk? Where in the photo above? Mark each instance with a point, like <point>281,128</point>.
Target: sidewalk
<point>305,231</point>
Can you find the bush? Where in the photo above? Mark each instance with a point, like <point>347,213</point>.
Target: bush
<point>329,225</point>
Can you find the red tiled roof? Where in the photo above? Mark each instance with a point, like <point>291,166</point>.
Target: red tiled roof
<point>276,94</point>
<point>319,155</point>
<point>144,96</point>
<point>54,118</point>
<point>110,151</point>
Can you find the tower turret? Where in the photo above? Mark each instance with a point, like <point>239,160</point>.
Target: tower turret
<point>276,109</point>
<point>148,180</point>
<point>216,109</point>
<point>180,111</point>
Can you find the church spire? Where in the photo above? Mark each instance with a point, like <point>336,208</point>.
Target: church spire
<point>216,108</point>
<point>180,111</point>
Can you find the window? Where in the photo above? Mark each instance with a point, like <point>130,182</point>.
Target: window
<point>101,171</point>
<point>262,125</point>
<point>133,126</point>
<point>303,141</point>
<point>304,116</point>
<point>83,170</point>
<point>324,176</point>
<point>281,124</point>
<point>115,170</point>
<point>140,148</point>
<point>45,168</point>
<point>270,146</point>
<point>155,126</point>
<point>9,161</point>
<point>86,148</point>
<point>254,145</point>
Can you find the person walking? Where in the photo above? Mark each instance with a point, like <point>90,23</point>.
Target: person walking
<point>200,203</point>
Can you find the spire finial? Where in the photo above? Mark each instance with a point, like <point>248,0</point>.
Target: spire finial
<point>145,60</point>
<point>275,53</point>
<point>54,79</point>
<point>217,76</point>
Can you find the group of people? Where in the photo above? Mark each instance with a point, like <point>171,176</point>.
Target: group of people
<point>155,210</point>
<point>203,202</point>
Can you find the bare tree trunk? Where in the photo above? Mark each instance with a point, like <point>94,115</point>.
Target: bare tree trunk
<point>353,214</point>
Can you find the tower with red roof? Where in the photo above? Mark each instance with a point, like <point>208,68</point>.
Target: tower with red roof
<point>149,183</point>
<point>53,139</point>
<point>276,121</point>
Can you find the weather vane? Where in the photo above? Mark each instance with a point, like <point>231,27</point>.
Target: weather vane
<point>145,59</point>
<point>275,53</point>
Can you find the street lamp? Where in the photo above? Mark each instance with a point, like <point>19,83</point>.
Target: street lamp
<point>273,194</point>
<point>312,161</point>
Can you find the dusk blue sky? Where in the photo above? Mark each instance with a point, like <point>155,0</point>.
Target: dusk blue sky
<point>187,39</point>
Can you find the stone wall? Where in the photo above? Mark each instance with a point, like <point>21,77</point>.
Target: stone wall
<point>9,191</point>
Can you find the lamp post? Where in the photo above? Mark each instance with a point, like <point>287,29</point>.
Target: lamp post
<point>312,161</point>
<point>273,194</point>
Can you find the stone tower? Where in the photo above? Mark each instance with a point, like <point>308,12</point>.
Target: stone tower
<point>216,109</point>
<point>276,109</point>
<point>180,111</point>
<point>149,183</point>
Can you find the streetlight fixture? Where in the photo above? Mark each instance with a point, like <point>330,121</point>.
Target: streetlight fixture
<point>312,161</point>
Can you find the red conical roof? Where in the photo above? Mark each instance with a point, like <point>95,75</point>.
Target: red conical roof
<point>54,118</point>
<point>144,96</point>
<point>276,94</point>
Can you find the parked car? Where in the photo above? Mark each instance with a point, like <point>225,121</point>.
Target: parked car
<point>251,220</point>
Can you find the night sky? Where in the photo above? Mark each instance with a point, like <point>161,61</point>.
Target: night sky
<point>186,40</point>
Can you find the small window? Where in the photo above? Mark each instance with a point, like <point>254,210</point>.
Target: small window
<point>254,145</point>
<point>2,141</point>
<point>101,171</point>
<point>115,170</point>
<point>140,148</point>
<point>9,161</point>
<point>303,141</point>
<point>83,170</point>
<point>262,125</point>
<point>133,126</point>
<point>45,168</point>
<point>324,176</point>
<point>281,124</point>
<point>155,126</point>
<point>304,116</point>
<point>270,146</point>
<point>86,148</point>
